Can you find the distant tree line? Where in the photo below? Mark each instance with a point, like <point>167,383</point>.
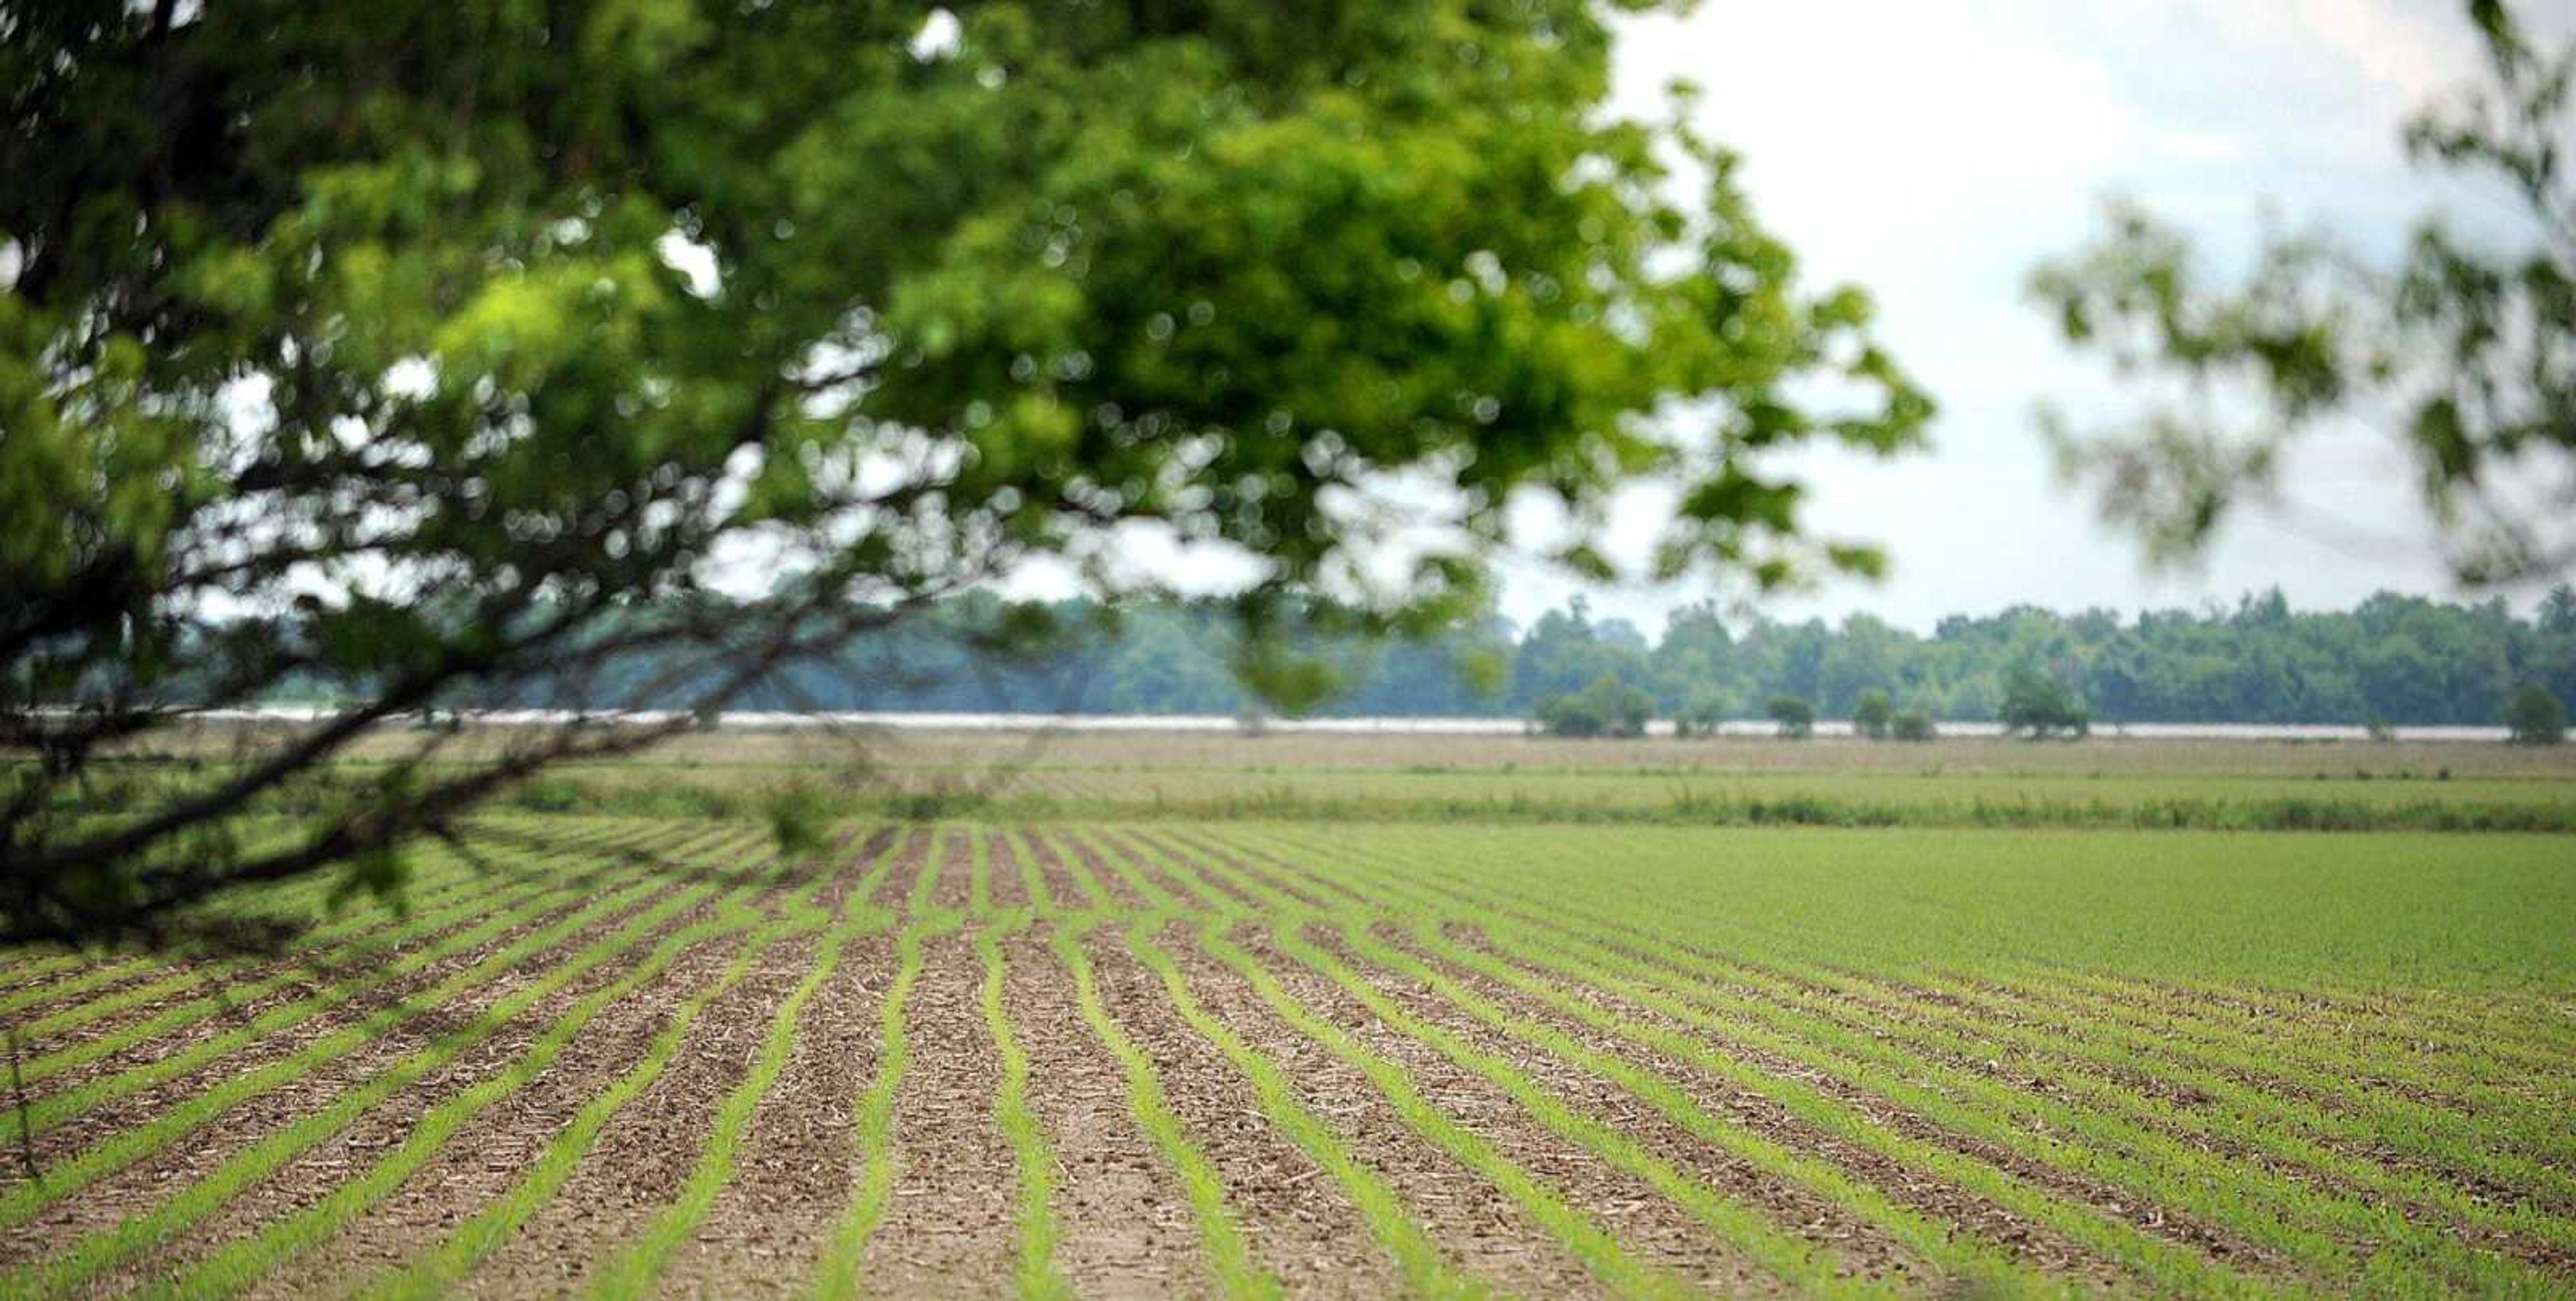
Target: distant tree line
<point>2393,660</point>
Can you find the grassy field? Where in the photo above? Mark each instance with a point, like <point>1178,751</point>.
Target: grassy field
<point>1428,1053</point>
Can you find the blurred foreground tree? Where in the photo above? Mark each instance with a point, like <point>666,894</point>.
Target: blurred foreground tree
<point>2465,350</point>
<point>405,354</point>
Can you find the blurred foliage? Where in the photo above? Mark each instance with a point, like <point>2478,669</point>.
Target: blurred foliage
<point>399,351</point>
<point>2464,349</point>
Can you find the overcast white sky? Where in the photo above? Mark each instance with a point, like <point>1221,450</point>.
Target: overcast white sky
<point>1931,150</point>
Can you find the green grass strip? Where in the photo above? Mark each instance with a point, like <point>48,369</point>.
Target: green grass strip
<point>2397,1137</point>
<point>167,970</point>
<point>1791,1259</point>
<point>1220,1232</point>
<point>1786,1255</point>
<point>491,1228</point>
<point>2360,1077</point>
<point>2257,1202</point>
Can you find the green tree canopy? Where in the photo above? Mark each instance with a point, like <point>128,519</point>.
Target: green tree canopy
<point>404,349</point>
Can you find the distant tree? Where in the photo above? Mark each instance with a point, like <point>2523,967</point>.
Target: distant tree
<point>1608,707</point>
<point>1913,725</point>
<point>2535,717</point>
<point>2558,611</point>
<point>2037,705</point>
<point>2378,728</point>
<point>1695,657</point>
<point>2465,339</point>
<point>1872,714</point>
<point>1702,713</point>
<point>1568,714</point>
<point>1797,718</point>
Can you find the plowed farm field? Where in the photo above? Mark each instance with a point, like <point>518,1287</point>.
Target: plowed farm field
<point>648,1057</point>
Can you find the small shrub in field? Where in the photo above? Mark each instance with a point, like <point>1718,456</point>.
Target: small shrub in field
<point>1873,716</point>
<point>2039,706</point>
<point>1701,714</point>
<point>1797,718</point>
<point>1913,725</point>
<point>548,797</point>
<point>799,816</point>
<point>2534,717</point>
<point>1609,707</point>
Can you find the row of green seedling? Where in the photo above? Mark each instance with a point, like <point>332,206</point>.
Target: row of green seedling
<point>438,1271</point>
<point>836,1274</point>
<point>171,1219</point>
<point>1426,1272</point>
<point>2166,1264</point>
<point>225,988</point>
<point>2273,1211</point>
<point>53,1109</point>
<point>1033,1159</point>
<point>635,1269</point>
<point>244,1262</point>
<point>1744,1229</point>
<point>2490,1145</point>
<point>137,1142</point>
<point>1237,1274</point>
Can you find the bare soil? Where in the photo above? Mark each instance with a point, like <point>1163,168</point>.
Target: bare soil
<point>1124,1221</point>
<point>949,1228</point>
